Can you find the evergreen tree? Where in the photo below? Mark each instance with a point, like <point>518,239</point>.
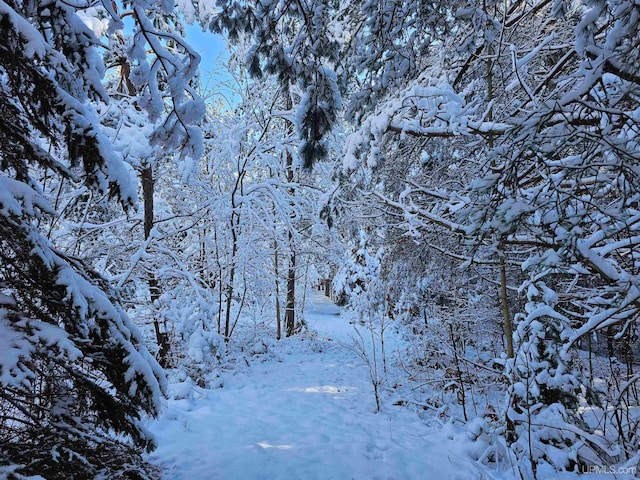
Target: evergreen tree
<point>523,147</point>
<point>295,41</point>
<point>75,375</point>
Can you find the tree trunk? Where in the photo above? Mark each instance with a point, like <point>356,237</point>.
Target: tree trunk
<point>234,224</point>
<point>508,327</point>
<point>232,275</point>
<point>290,311</point>
<point>148,187</point>
<point>220,279</point>
<point>146,175</point>
<point>504,299</point>
<point>277,274</point>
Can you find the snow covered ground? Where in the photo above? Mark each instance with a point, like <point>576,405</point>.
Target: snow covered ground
<point>304,411</point>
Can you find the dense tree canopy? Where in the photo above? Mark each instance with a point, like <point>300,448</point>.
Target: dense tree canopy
<point>76,375</point>
<point>477,164</point>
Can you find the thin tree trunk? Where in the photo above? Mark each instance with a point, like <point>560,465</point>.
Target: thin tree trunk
<point>146,175</point>
<point>234,223</point>
<point>277,275</point>
<point>610,348</point>
<point>305,279</point>
<point>508,327</point>
<point>220,279</point>
<point>462,393</point>
<point>504,299</point>
<point>232,274</point>
<point>148,187</point>
<point>290,311</point>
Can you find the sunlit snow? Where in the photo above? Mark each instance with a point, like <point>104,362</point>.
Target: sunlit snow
<point>306,413</point>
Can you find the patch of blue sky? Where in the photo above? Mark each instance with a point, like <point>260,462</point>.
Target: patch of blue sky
<point>214,53</point>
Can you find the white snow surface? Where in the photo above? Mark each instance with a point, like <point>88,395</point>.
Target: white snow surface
<point>304,412</point>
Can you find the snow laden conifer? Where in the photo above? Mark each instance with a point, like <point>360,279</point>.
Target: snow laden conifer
<point>540,134</point>
<point>75,375</point>
<point>564,185</point>
<point>297,42</point>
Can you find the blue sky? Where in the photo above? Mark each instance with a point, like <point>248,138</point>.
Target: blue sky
<point>209,45</point>
<point>213,50</point>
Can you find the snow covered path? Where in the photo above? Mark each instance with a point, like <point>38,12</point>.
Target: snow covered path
<point>305,412</point>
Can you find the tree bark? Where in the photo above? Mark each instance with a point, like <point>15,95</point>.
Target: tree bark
<point>508,327</point>
<point>504,299</point>
<point>148,184</point>
<point>234,222</point>
<point>148,188</point>
<point>290,310</point>
<point>277,274</point>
